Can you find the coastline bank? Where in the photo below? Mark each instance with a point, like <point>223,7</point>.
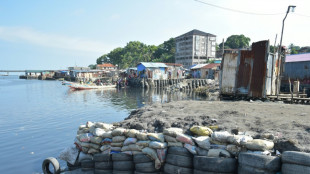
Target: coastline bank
<point>287,125</point>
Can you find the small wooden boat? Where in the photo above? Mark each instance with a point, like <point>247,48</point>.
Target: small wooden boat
<point>86,86</point>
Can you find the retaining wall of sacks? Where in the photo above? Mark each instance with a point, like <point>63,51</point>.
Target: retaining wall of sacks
<point>106,149</point>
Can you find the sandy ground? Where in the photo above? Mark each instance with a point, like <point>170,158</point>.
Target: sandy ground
<point>287,124</point>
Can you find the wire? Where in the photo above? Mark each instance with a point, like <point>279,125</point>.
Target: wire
<point>239,11</point>
<point>302,15</point>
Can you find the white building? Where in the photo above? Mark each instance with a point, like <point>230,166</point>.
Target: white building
<point>194,47</point>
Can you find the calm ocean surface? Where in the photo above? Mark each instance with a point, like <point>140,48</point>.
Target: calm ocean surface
<point>38,119</point>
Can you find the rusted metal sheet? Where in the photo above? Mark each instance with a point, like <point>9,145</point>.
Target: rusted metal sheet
<point>244,72</point>
<point>229,73</point>
<point>257,87</point>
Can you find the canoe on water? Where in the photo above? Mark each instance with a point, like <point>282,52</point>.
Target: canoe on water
<point>85,86</point>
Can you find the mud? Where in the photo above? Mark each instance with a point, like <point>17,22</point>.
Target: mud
<point>287,125</point>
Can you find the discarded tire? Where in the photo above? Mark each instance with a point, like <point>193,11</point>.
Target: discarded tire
<point>146,167</point>
<point>179,151</point>
<point>104,165</point>
<point>87,163</point>
<point>121,157</point>
<point>53,162</point>
<point>213,164</point>
<point>299,158</point>
<point>147,172</point>
<point>102,157</point>
<point>123,165</point>
<point>178,160</point>
<point>171,169</point>
<point>141,158</point>
<point>100,171</point>
<point>244,169</point>
<point>263,162</point>
<point>294,169</point>
<point>122,172</point>
<point>204,172</point>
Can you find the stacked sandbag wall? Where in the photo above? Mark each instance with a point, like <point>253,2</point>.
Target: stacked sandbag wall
<point>105,148</point>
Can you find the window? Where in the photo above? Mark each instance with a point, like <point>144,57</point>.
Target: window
<point>212,38</point>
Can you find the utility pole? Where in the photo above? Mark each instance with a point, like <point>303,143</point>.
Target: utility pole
<point>281,60</point>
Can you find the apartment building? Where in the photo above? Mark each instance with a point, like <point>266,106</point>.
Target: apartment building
<point>194,47</point>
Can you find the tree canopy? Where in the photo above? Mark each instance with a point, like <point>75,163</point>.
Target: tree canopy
<point>135,52</point>
<point>236,42</point>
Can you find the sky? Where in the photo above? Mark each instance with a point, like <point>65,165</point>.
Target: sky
<point>57,34</point>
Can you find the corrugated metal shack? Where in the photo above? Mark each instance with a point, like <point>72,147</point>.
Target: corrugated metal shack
<point>297,67</point>
<point>250,73</point>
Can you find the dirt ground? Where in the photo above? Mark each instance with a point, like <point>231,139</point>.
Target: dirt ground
<point>287,124</point>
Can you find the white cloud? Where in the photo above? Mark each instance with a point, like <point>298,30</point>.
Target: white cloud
<point>30,36</point>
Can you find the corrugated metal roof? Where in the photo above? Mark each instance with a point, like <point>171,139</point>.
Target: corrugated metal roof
<point>198,66</point>
<point>153,65</point>
<point>298,57</point>
<point>212,65</point>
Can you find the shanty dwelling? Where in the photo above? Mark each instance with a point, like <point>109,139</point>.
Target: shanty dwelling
<point>196,71</point>
<point>88,75</point>
<point>106,66</point>
<point>210,71</point>
<point>39,74</point>
<point>131,72</point>
<point>175,71</point>
<point>154,71</point>
<point>297,68</point>
<point>252,73</point>
<point>61,74</point>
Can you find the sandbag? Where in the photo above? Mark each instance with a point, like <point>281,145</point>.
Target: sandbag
<point>157,145</point>
<point>92,129</point>
<point>94,146</point>
<point>85,149</point>
<point>266,152</point>
<point>118,132</point>
<point>99,132</point>
<point>201,151</point>
<point>259,145</point>
<point>85,144</point>
<point>218,153</point>
<point>104,126</point>
<point>173,131</point>
<point>143,143</point>
<point>107,134</point>
<point>185,139</point>
<point>105,147</point>
<point>220,136</point>
<point>117,144</point>
<point>96,140</point>
<point>239,139</point>
<point>131,147</point>
<point>91,150</point>
<point>203,142</point>
<point>217,146</point>
<point>69,154</point>
<point>177,144</point>
<point>116,149</point>
<point>106,141</point>
<point>85,137</point>
<point>82,127</point>
<point>118,139</point>
<point>161,154</point>
<point>142,136</point>
<point>130,141</point>
<point>131,133</point>
<point>80,132</point>
<point>89,124</point>
<point>170,139</point>
<point>190,148</point>
<point>156,137</point>
<point>150,152</point>
<point>233,149</point>
<point>201,130</point>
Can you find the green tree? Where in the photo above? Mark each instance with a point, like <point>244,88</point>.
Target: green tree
<point>304,50</point>
<point>294,49</point>
<point>236,42</point>
<point>92,66</point>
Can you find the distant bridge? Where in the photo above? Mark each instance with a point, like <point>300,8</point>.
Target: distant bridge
<point>9,71</point>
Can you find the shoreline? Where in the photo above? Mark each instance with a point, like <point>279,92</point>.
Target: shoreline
<point>287,125</point>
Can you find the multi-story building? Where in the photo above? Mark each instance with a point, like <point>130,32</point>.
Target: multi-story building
<point>194,47</point>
